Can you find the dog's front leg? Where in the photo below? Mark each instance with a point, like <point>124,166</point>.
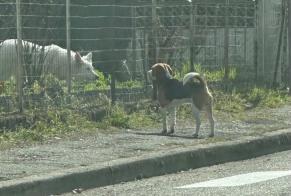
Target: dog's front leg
<point>164,114</point>
<point>173,120</point>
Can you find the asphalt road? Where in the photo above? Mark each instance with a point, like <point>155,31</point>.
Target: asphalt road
<point>266,175</point>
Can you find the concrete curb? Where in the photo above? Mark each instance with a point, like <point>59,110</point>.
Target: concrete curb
<point>154,165</point>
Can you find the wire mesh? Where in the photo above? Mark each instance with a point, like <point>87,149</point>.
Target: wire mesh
<point>126,38</point>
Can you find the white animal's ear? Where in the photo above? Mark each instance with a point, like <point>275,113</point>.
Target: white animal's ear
<point>149,74</point>
<point>78,57</point>
<point>88,57</point>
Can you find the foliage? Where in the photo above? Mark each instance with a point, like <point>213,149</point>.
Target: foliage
<point>46,124</point>
<point>118,117</point>
<point>266,97</point>
<point>57,120</point>
<point>229,101</point>
<point>130,84</point>
<point>239,100</point>
<point>211,75</point>
<point>36,87</point>
<point>8,87</point>
<point>102,82</point>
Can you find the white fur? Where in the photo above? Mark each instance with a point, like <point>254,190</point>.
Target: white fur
<point>189,76</point>
<point>168,75</point>
<point>55,60</point>
<point>150,75</point>
<point>171,109</point>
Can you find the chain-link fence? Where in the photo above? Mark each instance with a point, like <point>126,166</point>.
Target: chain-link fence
<point>64,42</point>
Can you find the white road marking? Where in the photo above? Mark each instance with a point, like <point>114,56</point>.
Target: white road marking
<point>239,180</point>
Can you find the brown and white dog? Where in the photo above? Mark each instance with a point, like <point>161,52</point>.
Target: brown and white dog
<point>170,92</point>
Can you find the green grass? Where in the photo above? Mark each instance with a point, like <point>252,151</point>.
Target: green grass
<point>46,124</point>
<point>56,122</point>
<point>130,84</point>
<point>60,121</point>
<point>210,75</point>
<point>266,97</point>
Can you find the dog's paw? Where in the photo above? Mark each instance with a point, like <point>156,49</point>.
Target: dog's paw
<point>171,131</point>
<point>195,135</point>
<point>164,132</point>
<point>211,135</point>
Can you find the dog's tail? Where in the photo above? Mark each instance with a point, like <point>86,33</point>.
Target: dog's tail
<point>194,75</point>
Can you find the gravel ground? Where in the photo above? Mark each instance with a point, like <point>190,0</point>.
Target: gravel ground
<point>104,146</point>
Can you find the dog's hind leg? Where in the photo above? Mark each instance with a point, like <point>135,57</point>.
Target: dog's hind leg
<point>196,114</point>
<point>173,120</point>
<point>209,111</point>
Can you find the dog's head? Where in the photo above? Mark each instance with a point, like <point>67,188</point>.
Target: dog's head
<point>160,71</point>
<point>158,74</point>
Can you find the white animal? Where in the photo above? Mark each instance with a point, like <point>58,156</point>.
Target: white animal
<point>40,60</point>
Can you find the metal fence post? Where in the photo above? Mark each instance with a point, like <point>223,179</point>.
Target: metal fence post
<point>113,72</point>
<point>281,35</point>
<point>113,87</point>
<point>226,44</point>
<point>133,10</point>
<point>256,38</point>
<point>289,46</point>
<point>68,41</point>
<point>155,30</point>
<point>191,37</point>
<point>145,57</point>
<point>19,77</point>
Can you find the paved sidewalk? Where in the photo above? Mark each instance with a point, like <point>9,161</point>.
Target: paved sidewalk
<point>153,164</point>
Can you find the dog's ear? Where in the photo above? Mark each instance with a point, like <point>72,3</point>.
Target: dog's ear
<point>161,70</point>
<point>169,69</point>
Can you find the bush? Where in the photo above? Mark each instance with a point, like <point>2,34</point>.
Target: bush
<point>266,97</point>
<point>118,117</point>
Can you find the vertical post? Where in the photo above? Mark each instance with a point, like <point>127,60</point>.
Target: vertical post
<point>263,40</point>
<point>155,30</point>
<point>192,68</point>
<point>245,37</point>
<point>68,40</point>
<point>216,37</point>
<point>245,46</point>
<point>278,55</point>
<point>19,56</point>
<point>145,58</point>
<point>134,42</point>
<point>113,72</point>
<point>256,37</point>
<point>217,47</point>
<point>226,43</point>
<point>289,46</point>
<point>145,54</point>
<point>113,87</point>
